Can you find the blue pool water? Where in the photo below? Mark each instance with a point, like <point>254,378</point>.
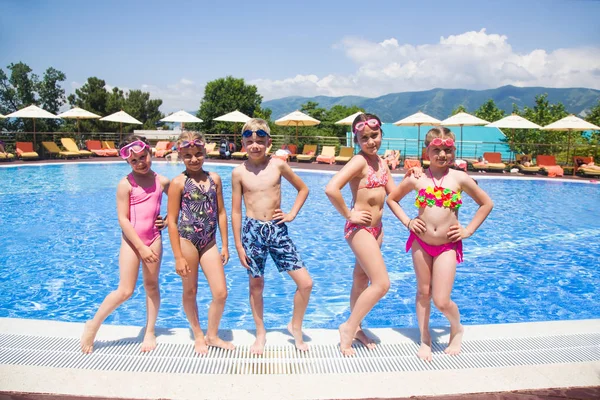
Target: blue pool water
<point>534,259</point>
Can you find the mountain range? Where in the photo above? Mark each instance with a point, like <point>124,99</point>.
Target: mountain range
<point>440,103</point>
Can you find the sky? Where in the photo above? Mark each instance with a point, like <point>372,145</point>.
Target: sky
<point>332,48</point>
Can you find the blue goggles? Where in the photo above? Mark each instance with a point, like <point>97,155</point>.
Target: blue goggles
<point>259,132</point>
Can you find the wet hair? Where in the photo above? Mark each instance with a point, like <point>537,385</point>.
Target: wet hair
<point>362,118</point>
<point>189,136</point>
<point>438,132</point>
<point>132,138</point>
<point>255,124</point>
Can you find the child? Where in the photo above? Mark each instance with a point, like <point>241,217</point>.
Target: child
<point>258,182</point>
<point>436,235</point>
<point>198,195</point>
<point>370,182</point>
<point>139,195</point>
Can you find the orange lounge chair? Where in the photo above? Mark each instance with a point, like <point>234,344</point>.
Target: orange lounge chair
<point>95,146</point>
<point>70,145</point>
<point>308,153</point>
<point>109,148</point>
<point>346,153</point>
<point>494,163</point>
<point>411,162</point>
<point>593,170</point>
<point>55,151</point>
<point>162,148</point>
<point>532,169</point>
<point>547,163</point>
<point>327,155</point>
<point>25,151</point>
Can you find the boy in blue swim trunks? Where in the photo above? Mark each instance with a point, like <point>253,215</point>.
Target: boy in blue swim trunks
<point>264,230</point>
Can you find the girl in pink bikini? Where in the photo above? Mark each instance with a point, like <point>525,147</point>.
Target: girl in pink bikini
<point>139,195</point>
<point>436,235</point>
<point>370,182</point>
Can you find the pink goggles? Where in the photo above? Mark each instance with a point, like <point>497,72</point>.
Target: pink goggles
<point>372,123</point>
<point>188,143</point>
<point>136,147</point>
<point>439,142</point>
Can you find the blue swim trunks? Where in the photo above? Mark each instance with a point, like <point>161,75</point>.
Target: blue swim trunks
<point>262,237</point>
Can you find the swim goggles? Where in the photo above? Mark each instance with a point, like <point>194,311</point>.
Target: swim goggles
<point>373,124</point>
<point>188,143</point>
<point>136,147</point>
<point>259,132</point>
<point>439,141</point>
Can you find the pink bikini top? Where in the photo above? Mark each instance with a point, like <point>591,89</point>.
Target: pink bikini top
<point>374,181</point>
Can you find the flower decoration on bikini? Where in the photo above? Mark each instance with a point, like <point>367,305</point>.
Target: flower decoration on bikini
<point>134,147</point>
<point>188,143</point>
<point>439,197</point>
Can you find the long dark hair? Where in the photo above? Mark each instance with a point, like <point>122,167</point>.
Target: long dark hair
<point>362,118</point>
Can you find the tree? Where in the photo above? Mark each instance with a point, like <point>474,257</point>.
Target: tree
<point>459,109</point>
<point>91,96</point>
<point>52,97</point>
<point>222,96</point>
<point>489,111</point>
<point>139,106</point>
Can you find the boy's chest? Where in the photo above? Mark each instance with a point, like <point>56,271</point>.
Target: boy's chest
<point>261,181</point>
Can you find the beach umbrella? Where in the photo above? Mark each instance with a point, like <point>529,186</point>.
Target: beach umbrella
<point>297,118</point>
<point>121,117</point>
<point>78,113</point>
<point>32,112</point>
<point>418,119</point>
<point>182,117</point>
<point>463,119</point>
<point>234,116</point>
<point>349,119</point>
<point>571,123</point>
<point>513,122</point>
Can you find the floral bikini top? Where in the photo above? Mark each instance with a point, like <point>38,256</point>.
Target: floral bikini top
<point>438,196</point>
<point>373,180</point>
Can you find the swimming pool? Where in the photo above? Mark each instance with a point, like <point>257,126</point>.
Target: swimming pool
<point>534,259</point>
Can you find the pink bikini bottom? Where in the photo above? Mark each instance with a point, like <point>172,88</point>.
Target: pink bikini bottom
<point>350,228</point>
<point>435,251</point>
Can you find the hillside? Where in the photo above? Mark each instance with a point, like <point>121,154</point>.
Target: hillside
<point>439,103</point>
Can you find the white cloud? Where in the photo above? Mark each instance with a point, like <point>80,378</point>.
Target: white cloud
<point>471,60</point>
<point>182,95</point>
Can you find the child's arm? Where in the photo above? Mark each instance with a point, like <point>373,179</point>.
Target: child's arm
<point>173,208</point>
<point>123,193</point>
<point>470,187</point>
<point>222,215</point>
<point>333,190</point>
<point>236,215</point>
<point>300,186</point>
<point>407,185</point>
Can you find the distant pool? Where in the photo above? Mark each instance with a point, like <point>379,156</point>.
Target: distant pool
<point>534,259</point>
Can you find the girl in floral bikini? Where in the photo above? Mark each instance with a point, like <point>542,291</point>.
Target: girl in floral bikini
<point>436,235</point>
<point>370,181</point>
<point>198,196</point>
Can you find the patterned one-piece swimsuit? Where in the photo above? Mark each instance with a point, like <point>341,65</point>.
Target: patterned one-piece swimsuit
<point>198,217</point>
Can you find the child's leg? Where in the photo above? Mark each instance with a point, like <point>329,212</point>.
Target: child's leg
<point>367,252</point>
<point>256,304</point>
<point>129,263</point>
<point>150,273</point>
<point>212,266</point>
<point>422,264</point>
<point>304,287</point>
<point>444,272</point>
<point>190,291</point>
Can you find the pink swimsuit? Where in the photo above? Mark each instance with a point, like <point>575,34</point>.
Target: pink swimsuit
<point>144,207</point>
<point>373,181</point>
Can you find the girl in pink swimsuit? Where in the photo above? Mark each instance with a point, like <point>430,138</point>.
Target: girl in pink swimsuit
<point>370,182</point>
<point>436,235</point>
<point>139,195</point>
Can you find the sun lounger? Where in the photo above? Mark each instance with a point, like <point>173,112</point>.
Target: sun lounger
<point>494,163</point>
<point>411,162</point>
<point>70,145</point>
<point>532,169</point>
<point>4,155</point>
<point>547,164</point>
<point>95,146</point>
<point>392,158</point>
<point>162,148</point>
<point>308,153</point>
<point>211,150</point>
<point>240,155</point>
<point>110,145</point>
<point>346,153</point>
<point>25,151</point>
<point>588,170</point>
<point>327,155</point>
<point>54,151</point>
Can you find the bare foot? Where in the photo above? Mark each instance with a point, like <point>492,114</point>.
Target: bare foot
<point>455,341</point>
<point>259,344</point>
<point>362,337</point>
<point>87,338</point>
<point>149,342</point>
<point>297,334</point>
<point>424,352</point>
<point>346,338</point>
<point>200,345</point>
<point>218,342</point>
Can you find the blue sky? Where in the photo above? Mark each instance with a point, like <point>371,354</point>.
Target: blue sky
<point>172,49</point>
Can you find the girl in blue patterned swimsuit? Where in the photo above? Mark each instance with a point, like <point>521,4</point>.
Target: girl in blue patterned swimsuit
<point>196,198</point>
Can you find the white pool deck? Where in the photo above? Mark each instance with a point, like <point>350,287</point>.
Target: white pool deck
<point>556,354</point>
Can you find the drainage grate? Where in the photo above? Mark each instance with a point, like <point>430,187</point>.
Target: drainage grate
<point>124,355</point>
